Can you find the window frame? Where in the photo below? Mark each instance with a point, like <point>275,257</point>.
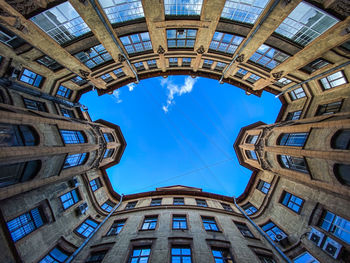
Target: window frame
<point>131,205</point>
<point>325,108</point>
<point>284,196</point>
<point>329,82</point>
<point>295,139</point>
<point>315,65</point>
<point>201,202</point>
<point>138,257</point>
<point>249,209</point>
<point>90,55</point>
<point>51,63</point>
<point>179,5</point>
<point>270,229</point>
<point>70,199</point>
<point>179,220</point>
<point>226,207</point>
<point>154,202</point>
<point>291,166</point>
<point>65,93</point>
<point>251,156</point>
<point>150,222</point>
<point>116,227</point>
<point>261,186</point>
<point>80,157</point>
<point>72,136</point>
<point>244,229</point>
<point>296,94</point>
<point>222,249</point>
<point>90,228</point>
<point>95,184</point>
<point>210,222</point>
<point>52,257</point>
<point>188,38</point>
<point>177,201</point>
<point>235,41</point>
<point>129,42</point>
<point>97,254</point>
<point>294,115</point>
<point>40,105</point>
<point>108,206</point>
<point>262,56</point>
<point>181,256</point>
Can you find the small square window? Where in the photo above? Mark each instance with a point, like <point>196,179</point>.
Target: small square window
<point>221,255</point>
<point>108,153</point>
<point>137,43</point>
<point>179,222</point>
<point>96,257</point>
<point>181,254</point>
<point>49,63</point>
<point>241,73</point>
<point>225,43</point>
<point>251,154</point>
<point>249,208</point>
<point>67,113</point>
<point>297,94</point>
<point>156,201</point>
<point>116,227</point>
<point>107,78</point>
<point>220,66</point>
<point>152,64</point>
<point>291,201</point>
<point>173,62</point>
<point>207,64</point>
<point>226,207</point>
<point>186,62</point>
<point>253,78</point>
<point>295,115</point>
<point>201,202</point>
<point>31,78</point>
<point>87,227</point>
<point>179,201</point>
<point>181,38</point>
<point>282,82</point>
<point>140,255</point>
<point>79,80</point>
<point>64,92</point>
<point>244,229</point>
<point>95,184</point>
<point>70,198</point>
<point>139,66</point>
<point>263,186</point>
<point>273,231</point>
<point>94,56</point>
<point>268,57</point>
<point>130,205</point>
<point>107,206</point>
<point>119,73</point>
<point>209,224</point>
<point>149,223</point>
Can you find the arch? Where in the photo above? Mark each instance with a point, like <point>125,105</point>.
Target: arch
<point>341,140</point>
<point>342,173</point>
<point>17,135</point>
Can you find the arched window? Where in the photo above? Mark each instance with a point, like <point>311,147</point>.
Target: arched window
<point>75,160</point>
<point>251,139</point>
<point>108,153</point>
<point>341,140</point>
<point>342,173</point>
<point>18,172</point>
<point>293,139</point>
<point>293,163</point>
<point>73,137</point>
<point>17,135</point>
<point>108,137</point>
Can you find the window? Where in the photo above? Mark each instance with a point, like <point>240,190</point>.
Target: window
<point>17,135</point>
<point>107,77</point>
<point>107,206</point>
<point>179,222</point>
<point>25,224</point>
<point>201,202</point>
<point>225,43</point>
<point>137,43</point>
<point>122,10</point>
<point>173,62</point>
<point>282,82</point>
<point>34,105</point>
<point>220,66</point>
<point>49,63</point>
<point>139,66</point>
<point>243,228</point>
<point>207,63</point>
<point>178,201</point>
<point>291,201</point>
<point>149,223</point>
<point>334,80</point>
<point>315,65</point>
<point>72,137</point>
<point>273,231</point>
<point>329,108</point>
<point>183,8</point>
<point>116,227</point>
<point>108,153</point>
<point>266,259</point>
<point>79,80</point>
<point>305,23</point>
<point>249,209</point>
<point>108,137</point>
<point>64,92</point>
<point>209,224</point>
<point>293,163</point>
<point>341,172</point>
<point>10,39</point>
<point>130,205</point>
<point>31,78</point>
<point>253,78</point>
<point>61,22</point>
<point>87,227</point>
<point>297,94</point>
<point>263,186</point>
<point>186,62</point>
<point>119,73</point>
<point>305,257</point>
<point>181,254</point>
<point>251,154</point>
<point>156,201</point>
<point>96,257</point>
<point>243,11</point>
<point>295,115</point>
<point>140,255</point>
<point>95,184</point>
<point>268,57</point>
<point>226,207</point>
<point>70,198</point>
<point>241,73</point>
<point>152,64</point>
<point>75,160</point>
<point>336,225</point>
<point>182,38</point>
<point>341,140</point>
<point>251,139</point>
<point>222,255</point>
<point>94,56</point>
<point>293,139</point>
<point>55,255</point>
<point>67,113</point>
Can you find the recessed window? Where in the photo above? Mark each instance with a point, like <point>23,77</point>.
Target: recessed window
<point>179,222</point>
<point>207,63</point>
<point>243,11</point>
<point>86,228</point>
<point>108,137</point>
<point>18,172</point>
<point>116,227</point>
<point>305,23</point>
<point>31,78</point>
<point>64,92</point>
<point>72,137</point>
<point>25,223</point>
<point>49,63</point>
<point>243,228</point>
<point>209,224</point>
<point>282,82</point>
<point>268,57</point>
<point>341,140</point>
<point>181,254</point>
<point>34,105</point>
<point>57,254</point>
<point>252,139</point>
<point>107,77</point>
<point>305,257</point>
<point>140,254</point>
<point>17,135</point>
<point>241,73</point>
<point>293,139</point>
<point>10,39</point>
<point>297,94</point>
<point>94,56</point>
<point>201,202</point>
<point>273,231</point>
<point>70,198</point>
<point>178,201</point>
<point>130,205</point>
<point>173,62</point>
<point>119,11</point>
<point>62,23</point>
<point>251,154</point>
<point>67,113</point>
<point>75,160</point>
<point>342,173</point>
<point>137,43</point>
<point>334,80</point>
<point>295,115</point>
<point>108,153</point>
<point>329,108</point>
<point>220,66</point>
<point>181,38</point>
<point>78,80</point>
<point>336,225</point>
<point>149,223</point>
<point>139,66</point>
<point>96,257</point>
<point>186,62</point>
<point>119,73</point>
<point>152,64</point>
<point>253,78</point>
<point>249,209</point>
<point>263,186</point>
<point>107,206</point>
<point>293,163</point>
<point>156,201</point>
<point>221,255</point>
<point>226,207</point>
<point>291,201</point>
<point>95,184</point>
<point>225,43</point>
<point>183,8</point>
<point>315,65</point>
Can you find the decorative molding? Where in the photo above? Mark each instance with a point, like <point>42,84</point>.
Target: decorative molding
<point>201,50</point>
<point>12,21</point>
<point>84,74</point>
<point>121,58</point>
<point>277,75</point>
<point>26,7</point>
<point>160,50</point>
<point>240,58</point>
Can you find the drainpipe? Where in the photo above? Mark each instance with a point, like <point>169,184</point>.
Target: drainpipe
<point>279,251</point>
<point>314,77</point>
<point>92,2</point>
<point>76,252</point>
<point>250,37</point>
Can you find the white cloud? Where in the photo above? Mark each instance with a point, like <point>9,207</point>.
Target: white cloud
<point>176,90</point>
<point>131,86</point>
<point>116,96</point>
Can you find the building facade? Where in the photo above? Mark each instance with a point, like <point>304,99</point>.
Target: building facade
<point>54,189</point>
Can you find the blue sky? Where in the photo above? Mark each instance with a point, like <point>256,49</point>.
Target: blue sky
<point>180,130</point>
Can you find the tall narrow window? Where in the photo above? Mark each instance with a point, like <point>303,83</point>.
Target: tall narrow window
<point>17,135</point>
<point>149,223</point>
<point>329,108</point>
<point>156,201</point>
<point>49,63</point>
<point>263,186</point>
<point>268,57</point>
<point>25,223</point>
<point>225,43</point>
<point>222,255</point>
<point>273,231</point>
<point>70,198</point>
<point>297,94</point>
<point>293,139</point>
<point>336,225</point>
<point>249,208</point>
<point>293,163</point>
<point>209,224</point>
<point>181,254</point>
<point>108,153</point>
<point>140,255</point>
<point>56,255</point>
<point>315,65</point>
<point>226,207</point>
<point>108,137</point>
<point>64,92</point>
<point>291,201</point>
<point>341,140</point>
<point>94,56</point>
<point>295,115</point>
<point>31,78</point>
<point>334,80</point>
<point>62,23</point>
<point>107,206</point>
<point>75,160</point>
<point>86,228</point>
<point>72,137</point>
<point>201,202</point>
<point>178,201</point>
<point>183,8</point>
<point>342,173</point>
<point>95,184</point>
<point>130,205</point>
<point>34,105</point>
<point>181,38</point>
<point>244,229</point>
<point>251,154</point>
<point>179,222</point>
<point>137,43</point>
<point>305,23</point>
<point>116,227</point>
<point>119,11</point>
<point>96,257</point>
